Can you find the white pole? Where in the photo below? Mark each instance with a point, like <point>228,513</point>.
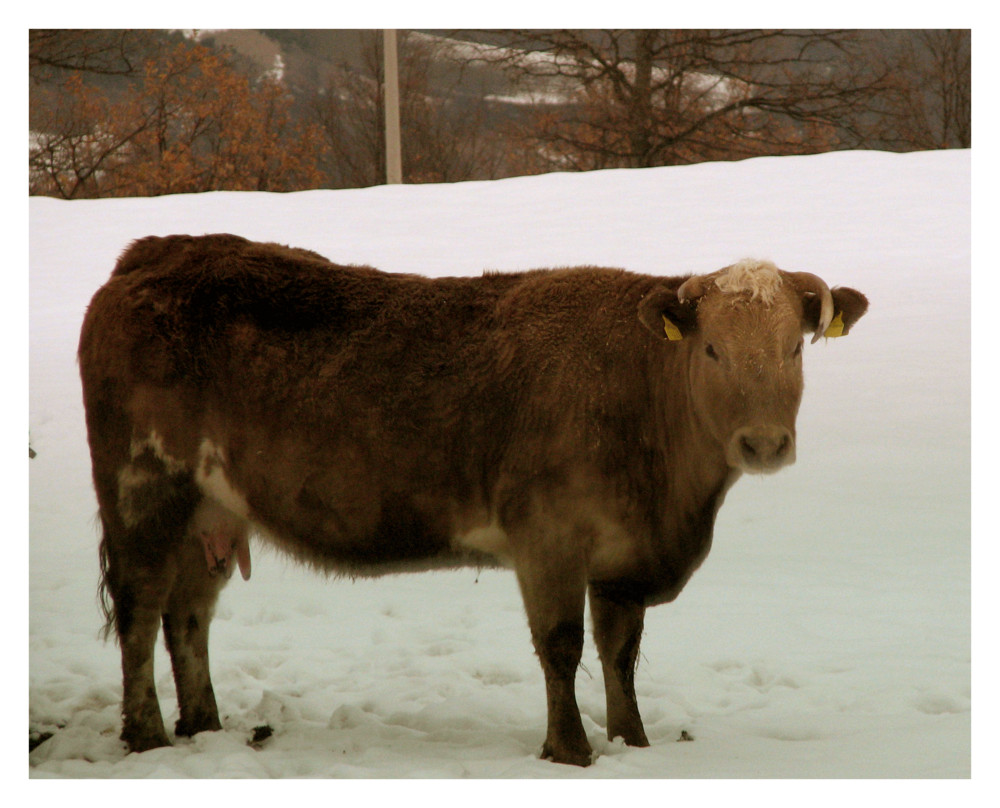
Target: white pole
<point>393,149</point>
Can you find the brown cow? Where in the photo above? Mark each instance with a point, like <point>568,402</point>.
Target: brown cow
<point>580,425</point>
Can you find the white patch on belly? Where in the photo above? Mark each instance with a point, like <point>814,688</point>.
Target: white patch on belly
<point>614,552</point>
<point>486,539</point>
<point>211,478</point>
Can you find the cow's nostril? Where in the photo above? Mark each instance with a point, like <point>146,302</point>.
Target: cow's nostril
<point>764,449</point>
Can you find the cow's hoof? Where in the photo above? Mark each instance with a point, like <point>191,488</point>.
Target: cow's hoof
<point>206,723</point>
<point>582,756</point>
<point>143,742</point>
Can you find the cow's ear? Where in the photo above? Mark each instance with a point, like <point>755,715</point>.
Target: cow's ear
<point>665,316</point>
<point>849,305</point>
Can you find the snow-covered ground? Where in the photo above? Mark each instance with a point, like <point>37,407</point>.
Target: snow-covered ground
<point>828,635</point>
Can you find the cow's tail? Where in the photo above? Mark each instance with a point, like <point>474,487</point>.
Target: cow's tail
<point>104,598</point>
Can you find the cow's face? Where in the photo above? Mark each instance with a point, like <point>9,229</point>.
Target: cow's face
<point>746,376</point>
<point>742,330</point>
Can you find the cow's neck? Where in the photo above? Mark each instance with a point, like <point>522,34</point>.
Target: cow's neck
<point>695,478</point>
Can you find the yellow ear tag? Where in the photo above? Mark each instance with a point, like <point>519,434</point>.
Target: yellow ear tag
<point>836,328</point>
<point>673,332</point>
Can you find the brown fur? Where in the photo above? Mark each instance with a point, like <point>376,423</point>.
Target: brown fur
<point>372,423</point>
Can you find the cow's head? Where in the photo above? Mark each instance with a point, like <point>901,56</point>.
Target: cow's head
<point>742,329</point>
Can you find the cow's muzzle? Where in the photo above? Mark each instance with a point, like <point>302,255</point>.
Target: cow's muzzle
<point>761,449</point>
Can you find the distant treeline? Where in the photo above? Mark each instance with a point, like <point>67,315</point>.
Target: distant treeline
<point>143,113</point>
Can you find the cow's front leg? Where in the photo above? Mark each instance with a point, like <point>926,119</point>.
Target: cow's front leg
<point>554,598</point>
<point>617,632</point>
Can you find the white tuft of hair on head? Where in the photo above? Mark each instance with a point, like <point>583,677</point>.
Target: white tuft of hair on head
<point>756,277</point>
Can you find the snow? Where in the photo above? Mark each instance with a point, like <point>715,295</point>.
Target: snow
<point>828,635</point>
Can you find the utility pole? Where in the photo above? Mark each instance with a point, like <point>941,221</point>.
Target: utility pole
<point>393,149</point>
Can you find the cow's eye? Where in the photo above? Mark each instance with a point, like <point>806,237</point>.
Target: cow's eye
<point>710,351</point>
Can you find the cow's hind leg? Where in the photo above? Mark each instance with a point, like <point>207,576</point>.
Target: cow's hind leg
<point>144,513</point>
<point>186,620</point>
<point>138,602</point>
<point>617,632</point>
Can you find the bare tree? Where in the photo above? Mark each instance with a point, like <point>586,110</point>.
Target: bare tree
<point>951,84</point>
<point>350,112</point>
<point>934,109</point>
<point>924,100</point>
<point>656,97</point>
<point>444,133</point>
<point>99,52</point>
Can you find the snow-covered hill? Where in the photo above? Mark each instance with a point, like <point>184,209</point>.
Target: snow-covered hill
<point>827,634</point>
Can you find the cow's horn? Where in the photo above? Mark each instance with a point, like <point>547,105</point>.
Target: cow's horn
<point>692,289</point>
<point>813,284</point>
